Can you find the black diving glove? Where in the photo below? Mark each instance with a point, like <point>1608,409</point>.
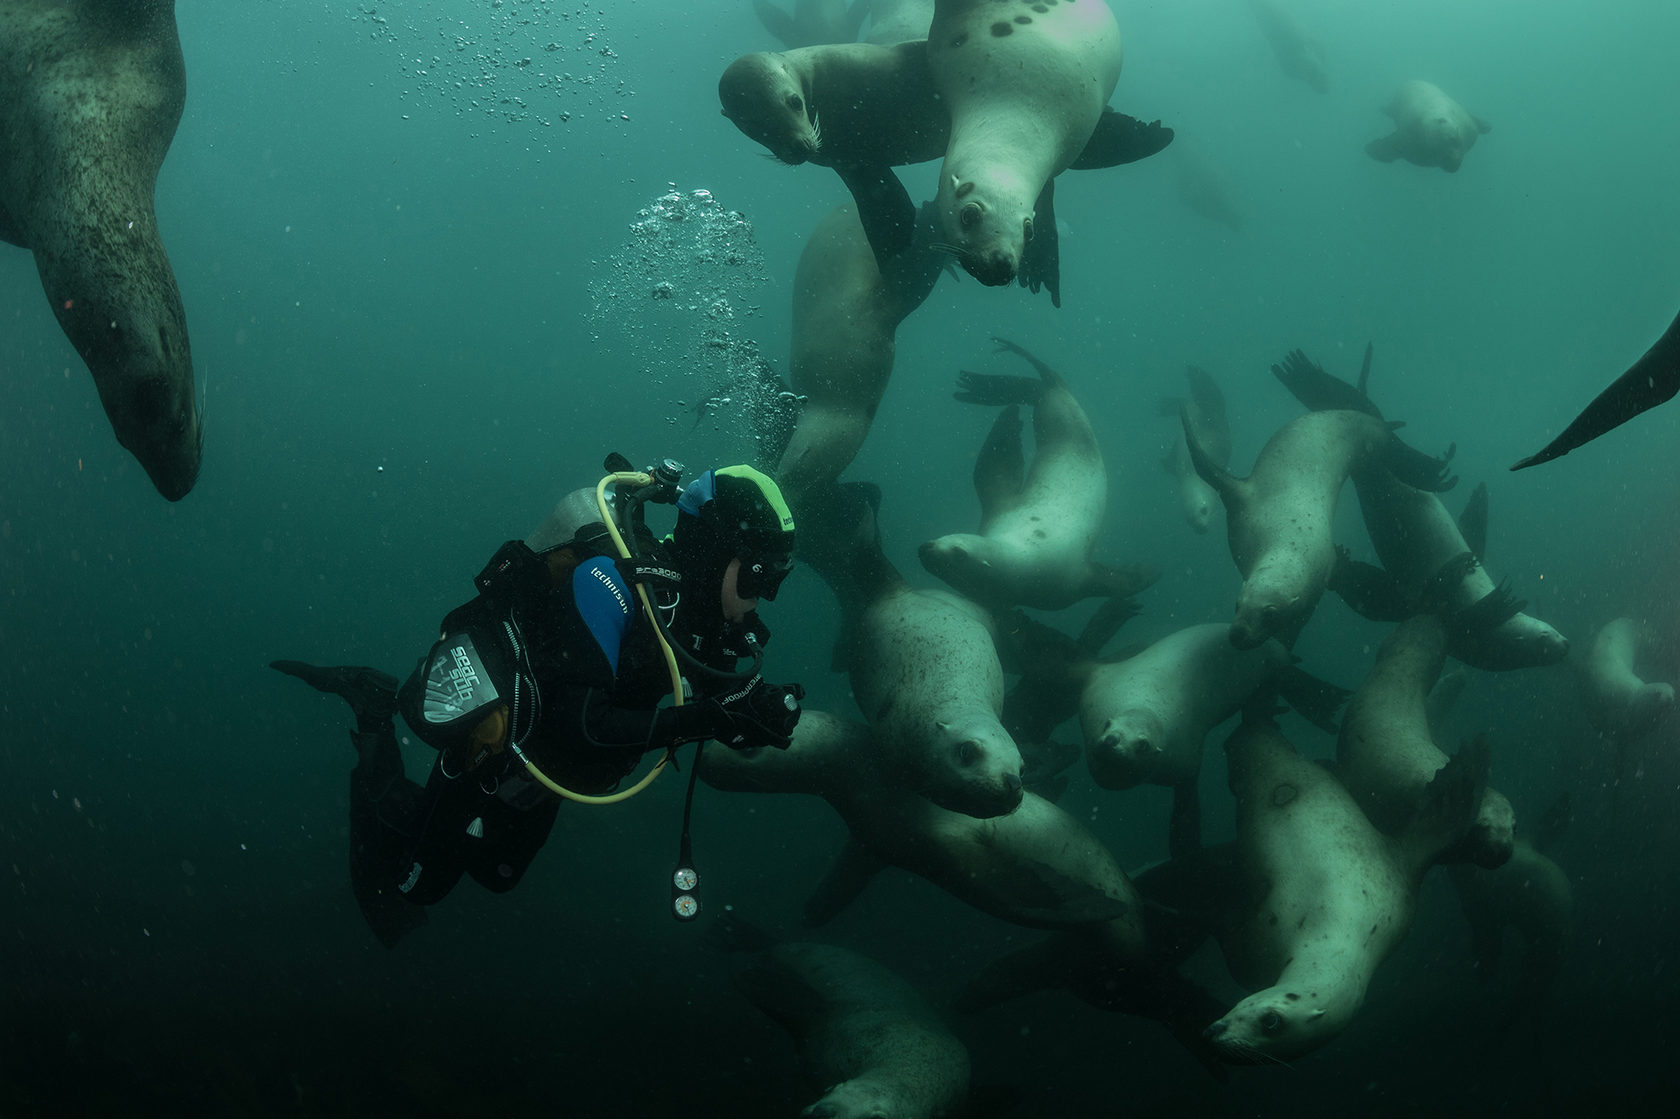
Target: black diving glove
<point>755,714</point>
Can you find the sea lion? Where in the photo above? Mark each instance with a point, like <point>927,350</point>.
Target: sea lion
<point>1205,189</point>
<point>1298,51</point>
<point>1619,703</point>
<point>813,21</point>
<point>863,109</point>
<point>1037,867</point>
<point>1430,129</point>
<point>923,663</point>
<point>1036,530</point>
<point>846,313</point>
<point>1278,518</point>
<point>1418,542</point>
<point>1651,380</point>
<point>1206,408</point>
<point>1330,896</point>
<point>1025,89</point>
<point>864,1035</point>
<point>90,94</point>
<point>1531,894</point>
<point>1386,756</point>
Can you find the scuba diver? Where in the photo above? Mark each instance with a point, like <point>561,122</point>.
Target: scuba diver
<point>549,683</point>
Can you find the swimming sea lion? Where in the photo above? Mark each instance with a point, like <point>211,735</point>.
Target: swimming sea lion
<point>1332,896</point>
<point>1386,756</point>
<point>1430,129</point>
<point>864,1034</point>
<point>863,109</point>
<point>90,94</point>
<point>1206,408</point>
<point>1298,51</point>
<point>1531,894</point>
<point>1036,531</point>
<point>1025,89</point>
<point>1037,867</point>
<point>1278,518</point>
<point>1418,541</point>
<point>846,313</point>
<point>1651,380</point>
<point>923,664</point>
<point>1205,189</point>
<point>1619,703</point>
<point>813,21</point>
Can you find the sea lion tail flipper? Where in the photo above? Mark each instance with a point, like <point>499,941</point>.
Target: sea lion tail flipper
<point>1473,522</point>
<point>1385,149</point>
<point>1227,485</point>
<point>1651,380</point>
<point>1105,623</point>
<point>1318,390</point>
<point>884,209</point>
<point>1041,259</point>
<point>1118,138</point>
<point>995,390</point>
<point>1369,591</point>
<point>1418,470</point>
<point>853,870</point>
<point>1126,581</point>
<point>1317,701</point>
<point>1450,800</point>
<point>1045,371</point>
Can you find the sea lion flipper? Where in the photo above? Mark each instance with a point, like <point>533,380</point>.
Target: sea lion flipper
<point>1041,261</point>
<point>1418,470</point>
<point>1119,139</point>
<point>853,870</point>
<point>1121,582</point>
<point>1318,390</point>
<point>1450,800</point>
<point>1473,522</point>
<point>1386,149</point>
<point>1224,483</point>
<point>1369,591</point>
<point>779,23</point>
<point>996,390</point>
<point>1106,622</point>
<point>1653,379</point>
<point>1315,700</point>
<point>884,209</point>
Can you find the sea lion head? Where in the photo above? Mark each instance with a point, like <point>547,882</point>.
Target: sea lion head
<point>960,560</point>
<point>859,1098</point>
<point>1447,141</point>
<point>976,769</point>
<point>1272,1025</point>
<point>138,352</point>
<point>769,101</point>
<point>1127,750</point>
<point>987,221</point>
<point>1264,610</point>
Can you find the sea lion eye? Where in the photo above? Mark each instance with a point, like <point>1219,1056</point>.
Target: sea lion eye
<point>1271,1022</point>
<point>969,217</point>
<point>796,103</point>
<point>968,753</point>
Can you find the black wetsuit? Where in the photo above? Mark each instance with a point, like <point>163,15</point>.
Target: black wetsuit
<point>578,677</point>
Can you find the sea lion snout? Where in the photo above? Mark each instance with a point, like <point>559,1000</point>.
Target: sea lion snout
<point>994,269</point>
<point>149,399</point>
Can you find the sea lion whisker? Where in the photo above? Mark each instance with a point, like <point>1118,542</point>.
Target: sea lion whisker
<point>815,142</point>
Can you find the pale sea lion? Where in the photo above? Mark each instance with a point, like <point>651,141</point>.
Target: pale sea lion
<point>1037,867</point>
<point>1205,407</point>
<point>1331,896</point>
<point>1418,541</point>
<point>846,313</point>
<point>1298,51</point>
<point>1650,381</point>
<point>863,109</point>
<point>813,21</point>
<point>1039,524</point>
<point>1619,703</point>
<point>1278,519</point>
<point>865,1036</point>
<point>1025,89</point>
<point>90,94</point>
<point>923,663</point>
<point>1386,756</point>
<point>1430,129</point>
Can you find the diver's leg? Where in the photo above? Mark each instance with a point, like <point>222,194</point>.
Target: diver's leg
<point>371,694</point>
<point>385,809</point>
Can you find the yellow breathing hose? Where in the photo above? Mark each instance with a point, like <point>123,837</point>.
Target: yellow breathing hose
<point>638,479</point>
